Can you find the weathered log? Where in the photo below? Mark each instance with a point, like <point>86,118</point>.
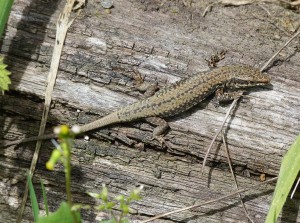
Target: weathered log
<point>164,42</point>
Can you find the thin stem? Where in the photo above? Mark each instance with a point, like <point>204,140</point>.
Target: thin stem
<point>234,178</point>
<point>121,216</point>
<point>113,215</point>
<point>67,165</point>
<point>287,43</point>
<point>68,171</point>
<point>292,195</point>
<point>218,132</point>
<point>209,202</point>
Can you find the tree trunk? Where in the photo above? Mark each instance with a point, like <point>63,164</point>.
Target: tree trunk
<point>162,41</point>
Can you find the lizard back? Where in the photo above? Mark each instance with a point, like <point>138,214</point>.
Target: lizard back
<point>188,92</point>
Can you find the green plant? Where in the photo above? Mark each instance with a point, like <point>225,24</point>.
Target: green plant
<point>5,7</point>
<point>124,204</point>
<point>4,76</point>
<point>290,167</point>
<point>68,212</point>
<point>62,153</point>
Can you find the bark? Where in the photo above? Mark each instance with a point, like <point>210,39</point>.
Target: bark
<point>163,41</point>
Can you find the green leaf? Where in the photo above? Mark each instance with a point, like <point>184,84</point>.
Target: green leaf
<point>4,13</point>
<point>108,221</point>
<point>94,195</point>
<point>110,205</point>
<point>44,197</point>
<point>106,206</point>
<point>77,207</point>
<point>4,79</point>
<point>101,207</point>
<point>120,198</point>
<point>289,170</point>
<point>34,203</point>
<point>104,193</point>
<point>124,208</point>
<point>124,220</point>
<point>135,195</point>
<point>63,214</point>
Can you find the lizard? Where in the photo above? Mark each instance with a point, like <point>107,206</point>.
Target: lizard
<point>178,97</point>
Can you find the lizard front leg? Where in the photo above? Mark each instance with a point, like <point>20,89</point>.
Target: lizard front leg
<point>161,127</point>
<point>148,88</point>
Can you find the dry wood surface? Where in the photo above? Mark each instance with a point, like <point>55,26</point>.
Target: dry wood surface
<point>163,41</point>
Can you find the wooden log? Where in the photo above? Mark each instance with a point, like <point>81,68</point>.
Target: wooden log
<point>163,42</point>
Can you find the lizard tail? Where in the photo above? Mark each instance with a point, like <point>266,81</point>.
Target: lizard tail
<point>106,120</point>
<point>30,139</point>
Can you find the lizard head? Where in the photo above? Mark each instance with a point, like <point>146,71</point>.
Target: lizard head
<point>246,76</point>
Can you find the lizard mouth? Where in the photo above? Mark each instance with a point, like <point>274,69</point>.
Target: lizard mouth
<point>265,79</point>
<point>267,82</point>
<point>259,81</point>
<point>255,83</point>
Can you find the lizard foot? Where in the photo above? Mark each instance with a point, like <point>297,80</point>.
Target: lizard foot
<point>147,88</point>
<point>214,59</point>
<point>162,142</point>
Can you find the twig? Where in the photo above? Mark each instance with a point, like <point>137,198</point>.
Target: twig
<point>218,132</point>
<point>209,202</point>
<point>296,3</point>
<point>264,8</point>
<point>208,8</point>
<point>292,195</point>
<point>285,45</point>
<point>62,25</point>
<point>234,178</point>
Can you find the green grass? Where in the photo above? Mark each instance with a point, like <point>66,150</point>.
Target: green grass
<point>34,203</point>
<point>289,170</point>
<point>5,7</point>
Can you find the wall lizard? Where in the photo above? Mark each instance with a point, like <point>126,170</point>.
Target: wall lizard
<point>178,97</point>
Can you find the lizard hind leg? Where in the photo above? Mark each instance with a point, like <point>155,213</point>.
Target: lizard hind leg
<point>222,97</point>
<point>159,130</point>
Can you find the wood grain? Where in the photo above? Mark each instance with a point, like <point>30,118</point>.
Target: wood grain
<point>163,42</point>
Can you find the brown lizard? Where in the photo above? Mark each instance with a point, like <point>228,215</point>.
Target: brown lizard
<point>179,97</point>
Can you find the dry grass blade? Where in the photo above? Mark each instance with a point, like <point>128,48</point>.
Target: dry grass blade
<point>62,26</point>
<point>285,45</point>
<point>295,3</point>
<point>237,2</point>
<point>208,8</point>
<point>294,190</point>
<point>234,178</point>
<point>218,132</point>
<point>209,202</point>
